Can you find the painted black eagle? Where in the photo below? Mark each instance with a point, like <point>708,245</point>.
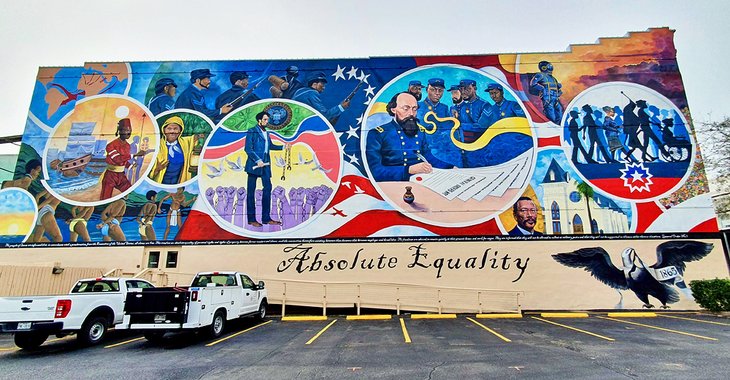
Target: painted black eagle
<point>654,280</point>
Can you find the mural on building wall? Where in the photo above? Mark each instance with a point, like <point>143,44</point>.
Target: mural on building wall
<point>663,280</point>
<point>512,144</point>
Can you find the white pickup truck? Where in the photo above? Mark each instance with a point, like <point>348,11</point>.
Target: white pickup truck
<point>212,299</point>
<point>92,306</point>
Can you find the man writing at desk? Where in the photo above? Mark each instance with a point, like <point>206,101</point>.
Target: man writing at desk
<point>398,149</point>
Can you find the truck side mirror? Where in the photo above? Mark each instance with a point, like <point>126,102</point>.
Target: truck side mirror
<point>261,285</point>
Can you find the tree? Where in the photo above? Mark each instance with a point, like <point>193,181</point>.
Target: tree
<point>716,153</point>
<point>586,191</point>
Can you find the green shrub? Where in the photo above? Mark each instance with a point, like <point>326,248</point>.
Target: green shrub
<point>713,295</point>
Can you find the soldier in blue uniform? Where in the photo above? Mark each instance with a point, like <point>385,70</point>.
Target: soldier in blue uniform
<point>415,87</point>
<point>434,92</point>
<point>165,89</point>
<point>311,96</point>
<point>502,108</point>
<point>544,85</point>
<point>239,82</point>
<point>398,149</point>
<point>292,73</point>
<point>456,99</point>
<point>193,98</point>
<point>471,110</point>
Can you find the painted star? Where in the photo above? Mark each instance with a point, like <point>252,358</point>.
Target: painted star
<point>370,91</point>
<point>353,159</point>
<point>352,132</point>
<point>363,77</point>
<point>636,177</point>
<point>367,101</point>
<point>340,73</point>
<point>359,119</point>
<point>352,73</point>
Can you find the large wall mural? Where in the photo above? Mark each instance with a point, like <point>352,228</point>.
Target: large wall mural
<point>596,140</point>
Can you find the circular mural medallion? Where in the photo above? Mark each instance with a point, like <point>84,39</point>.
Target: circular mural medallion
<point>628,141</point>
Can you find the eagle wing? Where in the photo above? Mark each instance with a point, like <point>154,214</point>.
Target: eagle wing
<point>678,252</point>
<point>596,261</point>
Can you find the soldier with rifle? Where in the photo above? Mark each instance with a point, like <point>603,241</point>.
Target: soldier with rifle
<point>237,95</point>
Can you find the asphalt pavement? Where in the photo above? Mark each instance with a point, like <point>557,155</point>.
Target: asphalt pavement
<point>670,345</point>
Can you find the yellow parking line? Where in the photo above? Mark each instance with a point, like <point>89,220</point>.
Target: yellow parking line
<point>237,334</point>
<point>659,328</point>
<point>9,349</point>
<point>125,342</point>
<point>321,332</point>
<point>575,329</point>
<point>405,332</point>
<point>500,336</point>
<point>433,316</point>
<point>58,339</point>
<point>695,320</point>
<point>370,317</point>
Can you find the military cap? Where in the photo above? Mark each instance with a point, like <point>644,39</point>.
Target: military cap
<point>162,83</point>
<point>415,83</point>
<point>467,82</point>
<point>436,82</point>
<point>238,75</point>
<point>316,77</point>
<point>494,86</point>
<point>200,74</point>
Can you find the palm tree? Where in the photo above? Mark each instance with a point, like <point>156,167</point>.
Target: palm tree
<point>586,191</point>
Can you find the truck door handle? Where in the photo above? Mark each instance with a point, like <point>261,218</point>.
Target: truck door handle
<point>247,293</point>
<point>25,308</point>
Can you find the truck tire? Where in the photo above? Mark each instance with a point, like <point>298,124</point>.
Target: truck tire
<point>216,326</point>
<point>92,331</point>
<point>29,340</point>
<point>154,337</point>
<point>262,311</point>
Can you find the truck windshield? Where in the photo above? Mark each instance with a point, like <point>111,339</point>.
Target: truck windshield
<point>217,279</point>
<point>96,286</point>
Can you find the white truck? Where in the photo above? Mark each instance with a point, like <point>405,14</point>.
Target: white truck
<point>212,299</point>
<point>93,306</point>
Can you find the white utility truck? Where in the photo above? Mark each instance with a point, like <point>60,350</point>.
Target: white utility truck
<point>93,306</point>
<point>212,299</point>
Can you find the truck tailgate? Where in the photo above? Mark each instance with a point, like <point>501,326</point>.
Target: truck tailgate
<point>157,305</point>
<point>28,309</point>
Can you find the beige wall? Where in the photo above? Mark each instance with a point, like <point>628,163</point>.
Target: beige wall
<point>546,283</point>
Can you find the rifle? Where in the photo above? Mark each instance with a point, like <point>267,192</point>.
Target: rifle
<point>244,95</point>
<point>348,98</point>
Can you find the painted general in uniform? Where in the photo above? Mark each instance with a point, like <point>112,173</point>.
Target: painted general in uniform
<point>396,150</point>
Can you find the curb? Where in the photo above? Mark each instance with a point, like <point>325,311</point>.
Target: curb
<point>433,316</point>
<point>564,315</point>
<point>304,318</point>
<point>497,316</point>
<point>373,317</point>
<point>636,314</point>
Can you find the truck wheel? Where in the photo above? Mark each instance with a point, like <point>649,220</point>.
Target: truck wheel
<point>154,337</point>
<point>92,331</point>
<point>29,340</point>
<point>262,311</point>
<point>219,322</point>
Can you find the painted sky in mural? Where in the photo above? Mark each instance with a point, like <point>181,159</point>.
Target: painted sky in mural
<point>517,144</point>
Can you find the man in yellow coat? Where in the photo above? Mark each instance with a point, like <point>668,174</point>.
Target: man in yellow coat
<point>173,160</point>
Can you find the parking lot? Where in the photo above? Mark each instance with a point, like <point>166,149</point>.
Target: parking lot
<point>672,344</point>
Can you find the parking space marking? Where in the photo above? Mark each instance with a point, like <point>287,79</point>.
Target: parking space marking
<point>125,342</point>
<point>695,320</point>
<point>500,336</point>
<point>406,336</point>
<point>237,334</point>
<point>320,332</point>
<point>575,329</point>
<point>660,328</point>
<point>8,349</point>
